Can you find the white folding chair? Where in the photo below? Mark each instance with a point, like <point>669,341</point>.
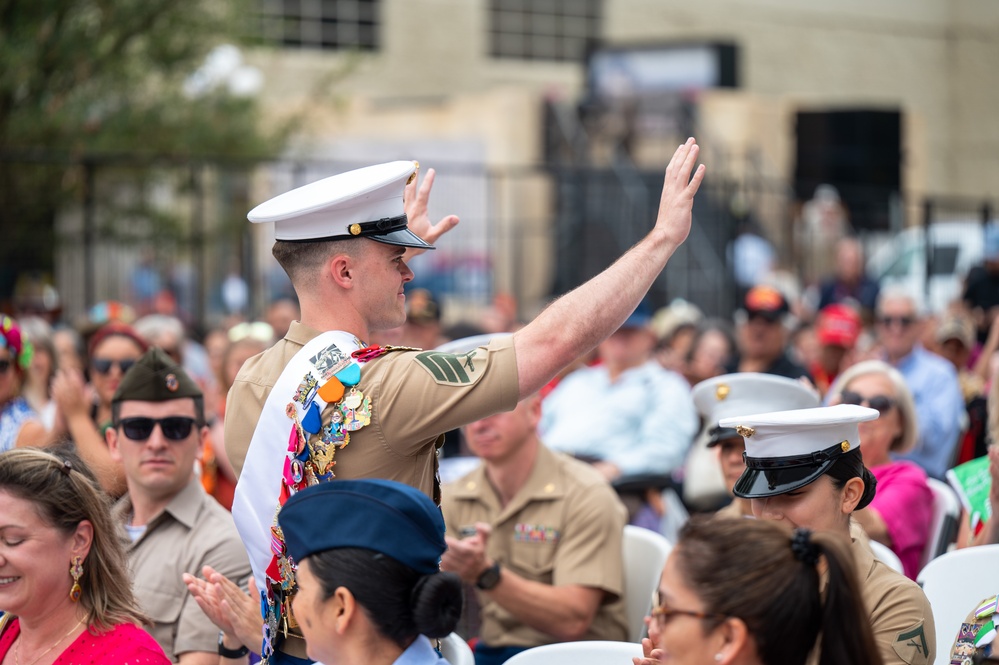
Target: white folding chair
<point>456,650</point>
<point>954,583</point>
<point>943,526</point>
<point>886,556</point>
<point>645,554</point>
<point>579,653</point>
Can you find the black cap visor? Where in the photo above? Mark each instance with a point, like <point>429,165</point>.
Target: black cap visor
<point>719,434</point>
<point>770,476</point>
<point>403,238</point>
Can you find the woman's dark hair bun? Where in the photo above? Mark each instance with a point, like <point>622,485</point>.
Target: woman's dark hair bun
<point>436,603</point>
<point>870,487</point>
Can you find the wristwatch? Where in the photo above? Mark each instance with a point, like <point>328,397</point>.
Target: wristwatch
<point>489,578</point>
<point>231,653</point>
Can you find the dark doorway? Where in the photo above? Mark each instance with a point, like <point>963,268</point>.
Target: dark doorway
<point>858,152</point>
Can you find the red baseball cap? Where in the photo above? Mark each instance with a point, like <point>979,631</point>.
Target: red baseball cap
<point>838,325</point>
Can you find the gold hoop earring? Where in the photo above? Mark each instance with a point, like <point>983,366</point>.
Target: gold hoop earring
<point>76,570</point>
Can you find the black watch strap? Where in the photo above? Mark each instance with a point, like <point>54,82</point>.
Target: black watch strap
<point>489,578</point>
<point>231,653</point>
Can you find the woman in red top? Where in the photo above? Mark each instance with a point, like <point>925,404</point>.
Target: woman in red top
<point>64,581</point>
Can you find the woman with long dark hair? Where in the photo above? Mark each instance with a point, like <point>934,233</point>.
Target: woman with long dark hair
<point>750,592</point>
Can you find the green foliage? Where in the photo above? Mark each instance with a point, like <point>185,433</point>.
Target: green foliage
<point>105,76</point>
<point>102,81</point>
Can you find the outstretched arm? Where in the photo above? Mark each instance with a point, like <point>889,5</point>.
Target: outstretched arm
<point>581,319</point>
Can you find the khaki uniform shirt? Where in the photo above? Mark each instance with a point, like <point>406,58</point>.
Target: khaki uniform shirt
<point>901,618</point>
<point>410,406</point>
<point>191,532</point>
<point>564,527</point>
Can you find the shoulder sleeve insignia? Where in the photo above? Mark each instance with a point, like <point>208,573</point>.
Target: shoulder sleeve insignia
<point>448,368</point>
<point>911,647</point>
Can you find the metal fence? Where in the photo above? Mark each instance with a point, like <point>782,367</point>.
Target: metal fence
<point>136,231</point>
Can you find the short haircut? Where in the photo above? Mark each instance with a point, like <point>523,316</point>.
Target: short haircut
<point>300,258</point>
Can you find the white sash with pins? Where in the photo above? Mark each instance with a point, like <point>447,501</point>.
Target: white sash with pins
<point>258,492</point>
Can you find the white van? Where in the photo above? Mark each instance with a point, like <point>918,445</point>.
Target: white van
<point>900,261</point>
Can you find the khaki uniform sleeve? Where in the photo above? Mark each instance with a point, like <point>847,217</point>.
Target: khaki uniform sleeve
<point>589,551</point>
<point>903,627</point>
<point>243,405</point>
<point>417,395</point>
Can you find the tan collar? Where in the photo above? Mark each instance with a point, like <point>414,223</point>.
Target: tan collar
<point>544,484</point>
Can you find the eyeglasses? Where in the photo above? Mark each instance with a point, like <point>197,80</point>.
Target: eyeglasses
<point>902,321</point>
<point>880,403</point>
<point>5,365</point>
<point>104,365</point>
<point>175,428</point>
<point>662,613</point>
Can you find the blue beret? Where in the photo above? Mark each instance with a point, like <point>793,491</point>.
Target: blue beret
<point>381,515</point>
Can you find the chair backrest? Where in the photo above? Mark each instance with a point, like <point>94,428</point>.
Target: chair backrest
<point>579,653</point>
<point>885,555</point>
<point>954,583</point>
<point>645,554</point>
<point>943,526</point>
<point>456,650</point>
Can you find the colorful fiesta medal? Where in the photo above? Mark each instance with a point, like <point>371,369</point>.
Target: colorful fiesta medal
<point>312,422</point>
<point>349,375</point>
<point>331,391</point>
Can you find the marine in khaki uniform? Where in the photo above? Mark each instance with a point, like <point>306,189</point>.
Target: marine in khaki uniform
<point>172,526</point>
<point>804,468</point>
<point>542,540</point>
<point>298,416</point>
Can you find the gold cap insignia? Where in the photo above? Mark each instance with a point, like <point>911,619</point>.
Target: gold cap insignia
<point>845,446</point>
<point>722,391</point>
<point>745,432</point>
<point>355,229</point>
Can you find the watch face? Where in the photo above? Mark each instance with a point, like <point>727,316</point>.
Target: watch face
<point>489,578</point>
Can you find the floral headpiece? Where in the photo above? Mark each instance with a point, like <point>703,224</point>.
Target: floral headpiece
<point>11,338</point>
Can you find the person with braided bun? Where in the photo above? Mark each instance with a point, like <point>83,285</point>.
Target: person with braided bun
<point>750,592</point>
<point>370,589</point>
<point>804,469</point>
<point>18,421</point>
<point>65,590</point>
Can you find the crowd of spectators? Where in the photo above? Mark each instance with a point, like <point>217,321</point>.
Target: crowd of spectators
<point>641,410</point>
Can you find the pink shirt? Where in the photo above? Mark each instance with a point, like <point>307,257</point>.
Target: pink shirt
<point>905,503</point>
<point>124,643</point>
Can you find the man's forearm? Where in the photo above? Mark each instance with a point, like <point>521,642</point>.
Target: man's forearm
<point>581,319</point>
<point>564,612</point>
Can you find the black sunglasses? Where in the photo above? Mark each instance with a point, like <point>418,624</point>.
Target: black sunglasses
<point>904,321</point>
<point>880,403</point>
<point>5,365</point>
<point>104,365</point>
<point>175,428</point>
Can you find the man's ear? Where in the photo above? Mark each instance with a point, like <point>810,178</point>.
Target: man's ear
<point>111,437</point>
<point>341,270</point>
